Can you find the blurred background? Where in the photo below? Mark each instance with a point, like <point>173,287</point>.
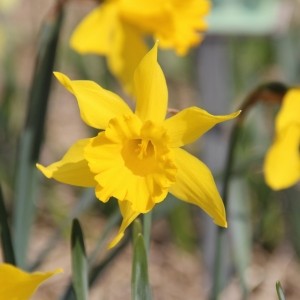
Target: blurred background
<point>249,42</point>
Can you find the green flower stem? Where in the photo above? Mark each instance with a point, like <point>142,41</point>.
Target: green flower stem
<point>147,222</point>
<point>268,93</point>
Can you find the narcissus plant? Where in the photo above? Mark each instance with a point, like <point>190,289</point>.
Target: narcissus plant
<point>137,156</point>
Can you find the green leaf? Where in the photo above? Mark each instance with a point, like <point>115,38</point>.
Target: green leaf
<point>96,271</point>
<point>31,137</point>
<point>240,229</point>
<point>7,247</point>
<point>140,289</point>
<point>79,262</point>
<point>279,291</point>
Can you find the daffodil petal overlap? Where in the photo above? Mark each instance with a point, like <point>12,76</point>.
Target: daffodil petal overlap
<point>282,162</point>
<point>19,285</point>
<point>150,89</point>
<point>97,105</point>
<point>122,59</point>
<point>195,184</point>
<point>190,124</point>
<point>72,168</point>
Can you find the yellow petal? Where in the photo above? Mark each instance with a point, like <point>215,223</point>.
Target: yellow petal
<point>191,123</point>
<point>128,217</point>
<point>289,111</point>
<point>195,184</point>
<point>95,32</point>
<point>19,285</point>
<point>150,89</point>
<point>127,50</point>
<point>282,163</point>
<point>97,105</point>
<point>72,168</point>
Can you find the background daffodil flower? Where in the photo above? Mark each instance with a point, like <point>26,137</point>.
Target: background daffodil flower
<point>16,284</point>
<point>116,27</point>
<point>137,158</point>
<point>282,162</point>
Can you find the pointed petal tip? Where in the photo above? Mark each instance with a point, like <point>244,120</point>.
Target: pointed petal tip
<point>234,114</point>
<point>44,170</point>
<point>223,223</point>
<point>116,240</point>
<point>58,271</point>
<point>64,80</point>
<point>59,75</point>
<point>51,273</point>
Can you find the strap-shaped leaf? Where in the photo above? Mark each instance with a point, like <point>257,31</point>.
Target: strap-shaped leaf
<point>140,289</point>
<point>32,135</point>
<point>6,241</point>
<point>79,262</point>
<point>279,291</point>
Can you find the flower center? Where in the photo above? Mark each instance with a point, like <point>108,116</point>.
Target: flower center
<point>139,156</point>
<point>144,149</point>
<point>132,162</point>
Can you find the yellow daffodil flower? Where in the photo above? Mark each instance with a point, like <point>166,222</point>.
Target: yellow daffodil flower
<point>116,29</point>
<point>16,284</point>
<point>282,162</point>
<point>137,158</point>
